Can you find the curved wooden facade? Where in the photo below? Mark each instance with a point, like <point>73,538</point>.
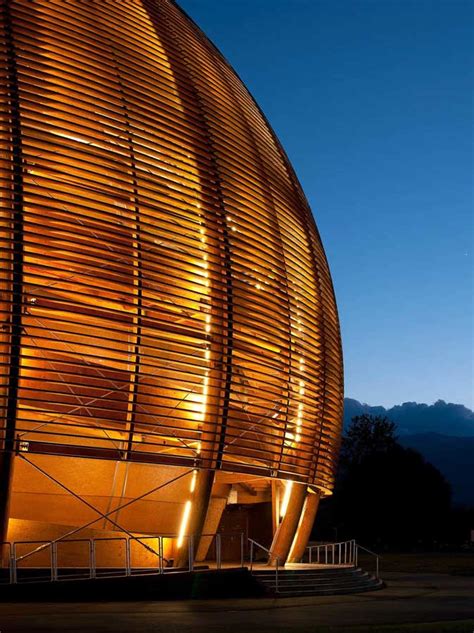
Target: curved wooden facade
<point>165,296</point>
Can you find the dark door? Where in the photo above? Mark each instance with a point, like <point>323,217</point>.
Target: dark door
<point>251,521</point>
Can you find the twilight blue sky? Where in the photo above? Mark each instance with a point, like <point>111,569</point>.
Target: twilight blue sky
<point>372,100</point>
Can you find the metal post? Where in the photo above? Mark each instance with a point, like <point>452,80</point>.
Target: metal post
<point>51,562</point>
<point>128,570</point>
<point>241,549</point>
<point>92,567</point>
<point>54,561</point>
<point>251,555</point>
<point>326,554</point>
<point>10,565</point>
<point>276,574</point>
<point>190,552</point>
<point>160,552</point>
<point>333,553</point>
<point>13,572</point>
<point>377,567</point>
<point>317,550</point>
<point>310,554</point>
<point>218,545</point>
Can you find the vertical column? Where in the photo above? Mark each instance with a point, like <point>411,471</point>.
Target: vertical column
<point>304,528</point>
<point>194,513</point>
<point>213,517</point>
<point>286,530</point>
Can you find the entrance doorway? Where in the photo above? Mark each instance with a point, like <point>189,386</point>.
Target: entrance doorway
<point>252,520</point>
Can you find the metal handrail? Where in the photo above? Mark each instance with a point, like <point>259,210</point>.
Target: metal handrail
<point>340,553</point>
<point>45,544</point>
<point>270,556</point>
<point>92,556</point>
<point>377,558</point>
<point>14,560</point>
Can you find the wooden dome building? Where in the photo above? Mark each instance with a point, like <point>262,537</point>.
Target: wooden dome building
<point>170,357</point>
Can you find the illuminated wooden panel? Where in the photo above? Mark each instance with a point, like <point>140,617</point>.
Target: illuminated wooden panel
<point>176,303</point>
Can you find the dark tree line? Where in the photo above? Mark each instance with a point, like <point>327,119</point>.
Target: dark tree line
<point>386,495</point>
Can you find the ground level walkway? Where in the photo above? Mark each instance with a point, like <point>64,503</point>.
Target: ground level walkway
<point>437,600</point>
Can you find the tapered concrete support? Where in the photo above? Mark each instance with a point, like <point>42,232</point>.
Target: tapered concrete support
<point>286,530</point>
<point>199,503</point>
<point>304,528</point>
<point>213,518</point>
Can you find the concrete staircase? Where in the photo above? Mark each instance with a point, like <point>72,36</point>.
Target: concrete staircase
<point>316,582</point>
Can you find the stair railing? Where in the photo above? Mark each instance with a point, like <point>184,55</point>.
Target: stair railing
<point>271,556</point>
<point>368,551</point>
<point>342,553</point>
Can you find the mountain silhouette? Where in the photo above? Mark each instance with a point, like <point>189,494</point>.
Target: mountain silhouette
<point>442,432</point>
<point>412,418</point>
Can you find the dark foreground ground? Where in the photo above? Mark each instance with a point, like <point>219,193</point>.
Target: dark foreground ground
<point>420,603</point>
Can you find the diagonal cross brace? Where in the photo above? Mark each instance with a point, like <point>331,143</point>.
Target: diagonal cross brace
<point>101,514</point>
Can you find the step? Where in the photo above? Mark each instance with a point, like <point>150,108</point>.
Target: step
<point>322,584</point>
<point>295,577</point>
<point>310,571</point>
<point>308,582</point>
<point>299,577</point>
<point>319,581</point>
<point>331,592</point>
<point>318,585</point>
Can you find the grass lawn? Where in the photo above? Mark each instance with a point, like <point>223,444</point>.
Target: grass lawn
<point>459,626</point>
<point>429,562</point>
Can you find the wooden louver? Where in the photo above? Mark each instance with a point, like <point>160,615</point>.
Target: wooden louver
<point>165,296</point>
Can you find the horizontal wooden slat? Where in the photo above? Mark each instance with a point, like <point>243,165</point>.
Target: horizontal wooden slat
<point>176,303</point>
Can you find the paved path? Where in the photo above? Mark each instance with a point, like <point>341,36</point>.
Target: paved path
<point>408,598</point>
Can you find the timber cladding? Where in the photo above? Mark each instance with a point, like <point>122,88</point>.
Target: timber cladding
<point>165,296</point>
